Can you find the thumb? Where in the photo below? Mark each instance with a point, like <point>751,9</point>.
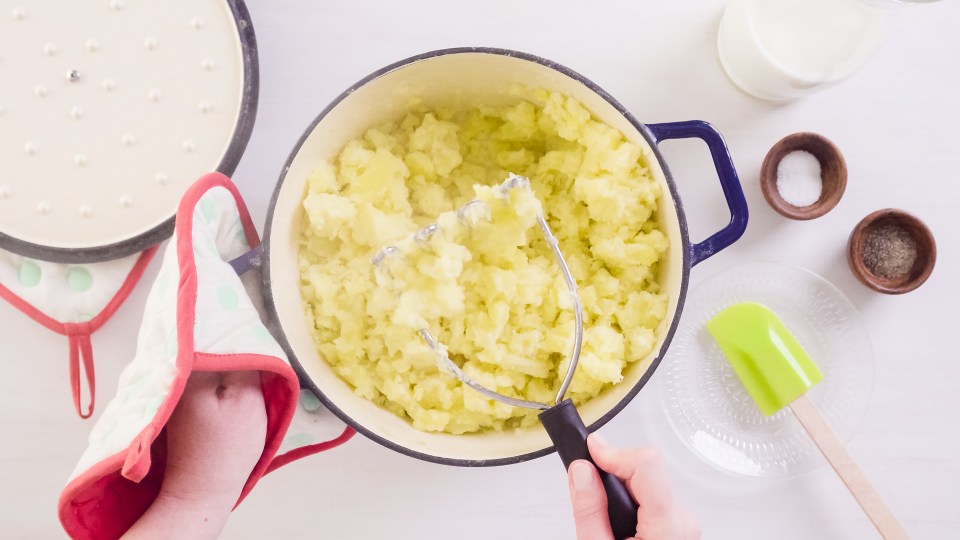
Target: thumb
<point>589,502</point>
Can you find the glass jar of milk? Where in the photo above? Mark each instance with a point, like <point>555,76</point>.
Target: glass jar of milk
<point>784,49</point>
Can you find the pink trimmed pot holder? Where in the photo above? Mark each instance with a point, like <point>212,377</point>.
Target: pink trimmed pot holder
<point>73,300</point>
<point>198,317</point>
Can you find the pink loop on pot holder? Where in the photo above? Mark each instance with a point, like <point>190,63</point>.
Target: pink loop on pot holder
<point>78,338</point>
<point>78,334</point>
<point>138,461</point>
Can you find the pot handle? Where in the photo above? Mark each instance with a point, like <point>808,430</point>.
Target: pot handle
<point>729,181</point>
<point>248,261</point>
<point>569,436</point>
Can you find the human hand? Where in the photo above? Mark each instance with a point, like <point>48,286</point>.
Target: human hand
<point>215,437</point>
<point>642,471</point>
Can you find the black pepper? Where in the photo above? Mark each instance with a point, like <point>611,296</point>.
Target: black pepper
<point>889,251</point>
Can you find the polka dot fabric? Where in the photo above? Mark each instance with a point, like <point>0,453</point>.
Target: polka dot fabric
<point>64,292</point>
<point>310,425</point>
<point>226,320</point>
<point>198,317</point>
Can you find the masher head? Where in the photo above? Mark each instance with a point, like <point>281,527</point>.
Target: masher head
<point>468,215</point>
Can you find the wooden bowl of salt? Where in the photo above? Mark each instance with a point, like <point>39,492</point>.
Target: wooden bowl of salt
<point>803,176</point>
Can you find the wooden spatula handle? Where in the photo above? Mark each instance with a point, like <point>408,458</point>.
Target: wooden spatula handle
<point>847,469</point>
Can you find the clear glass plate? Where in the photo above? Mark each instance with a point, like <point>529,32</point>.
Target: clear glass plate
<point>712,412</point>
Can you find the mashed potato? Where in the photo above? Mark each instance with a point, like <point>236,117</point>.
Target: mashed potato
<point>494,297</point>
<point>437,276</point>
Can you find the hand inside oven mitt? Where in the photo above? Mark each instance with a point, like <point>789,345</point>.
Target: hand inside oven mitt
<point>207,401</point>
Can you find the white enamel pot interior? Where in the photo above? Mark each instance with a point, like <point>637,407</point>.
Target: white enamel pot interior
<point>455,76</point>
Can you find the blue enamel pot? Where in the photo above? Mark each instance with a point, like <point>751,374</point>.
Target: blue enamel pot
<point>477,76</point>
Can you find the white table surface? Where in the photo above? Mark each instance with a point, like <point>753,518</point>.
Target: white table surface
<point>897,122</point>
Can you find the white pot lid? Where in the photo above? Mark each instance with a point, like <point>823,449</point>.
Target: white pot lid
<point>109,110</point>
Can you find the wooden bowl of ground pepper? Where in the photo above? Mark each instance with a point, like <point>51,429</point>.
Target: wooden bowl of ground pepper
<point>891,251</point>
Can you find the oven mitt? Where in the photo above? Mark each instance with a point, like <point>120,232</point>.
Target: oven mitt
<point>198,317</point>
<point>73,300</point>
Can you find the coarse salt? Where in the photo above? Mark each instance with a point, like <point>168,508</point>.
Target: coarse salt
<point>798,178</point>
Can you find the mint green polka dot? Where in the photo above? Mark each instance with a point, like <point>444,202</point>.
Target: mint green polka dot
<point>242,237</point>
<point>261,334</point>
<point>299,439</point>
<point>29,274</point>
<point>309,401</point>
<point>208,208</point>
<point>228,297</point>
<point>79,278</point>
<point>85,317</point>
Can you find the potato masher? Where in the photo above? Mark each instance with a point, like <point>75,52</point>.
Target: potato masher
<point>561,420</point>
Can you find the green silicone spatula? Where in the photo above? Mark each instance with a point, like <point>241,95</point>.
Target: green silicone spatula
<point>777,373</point>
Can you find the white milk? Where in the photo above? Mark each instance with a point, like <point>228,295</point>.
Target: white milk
<point>783,49</point>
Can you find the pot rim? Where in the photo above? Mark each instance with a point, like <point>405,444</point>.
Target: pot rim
<point>307,382</point>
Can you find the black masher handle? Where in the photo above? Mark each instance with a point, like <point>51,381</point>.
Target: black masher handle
<point>569,435</point>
